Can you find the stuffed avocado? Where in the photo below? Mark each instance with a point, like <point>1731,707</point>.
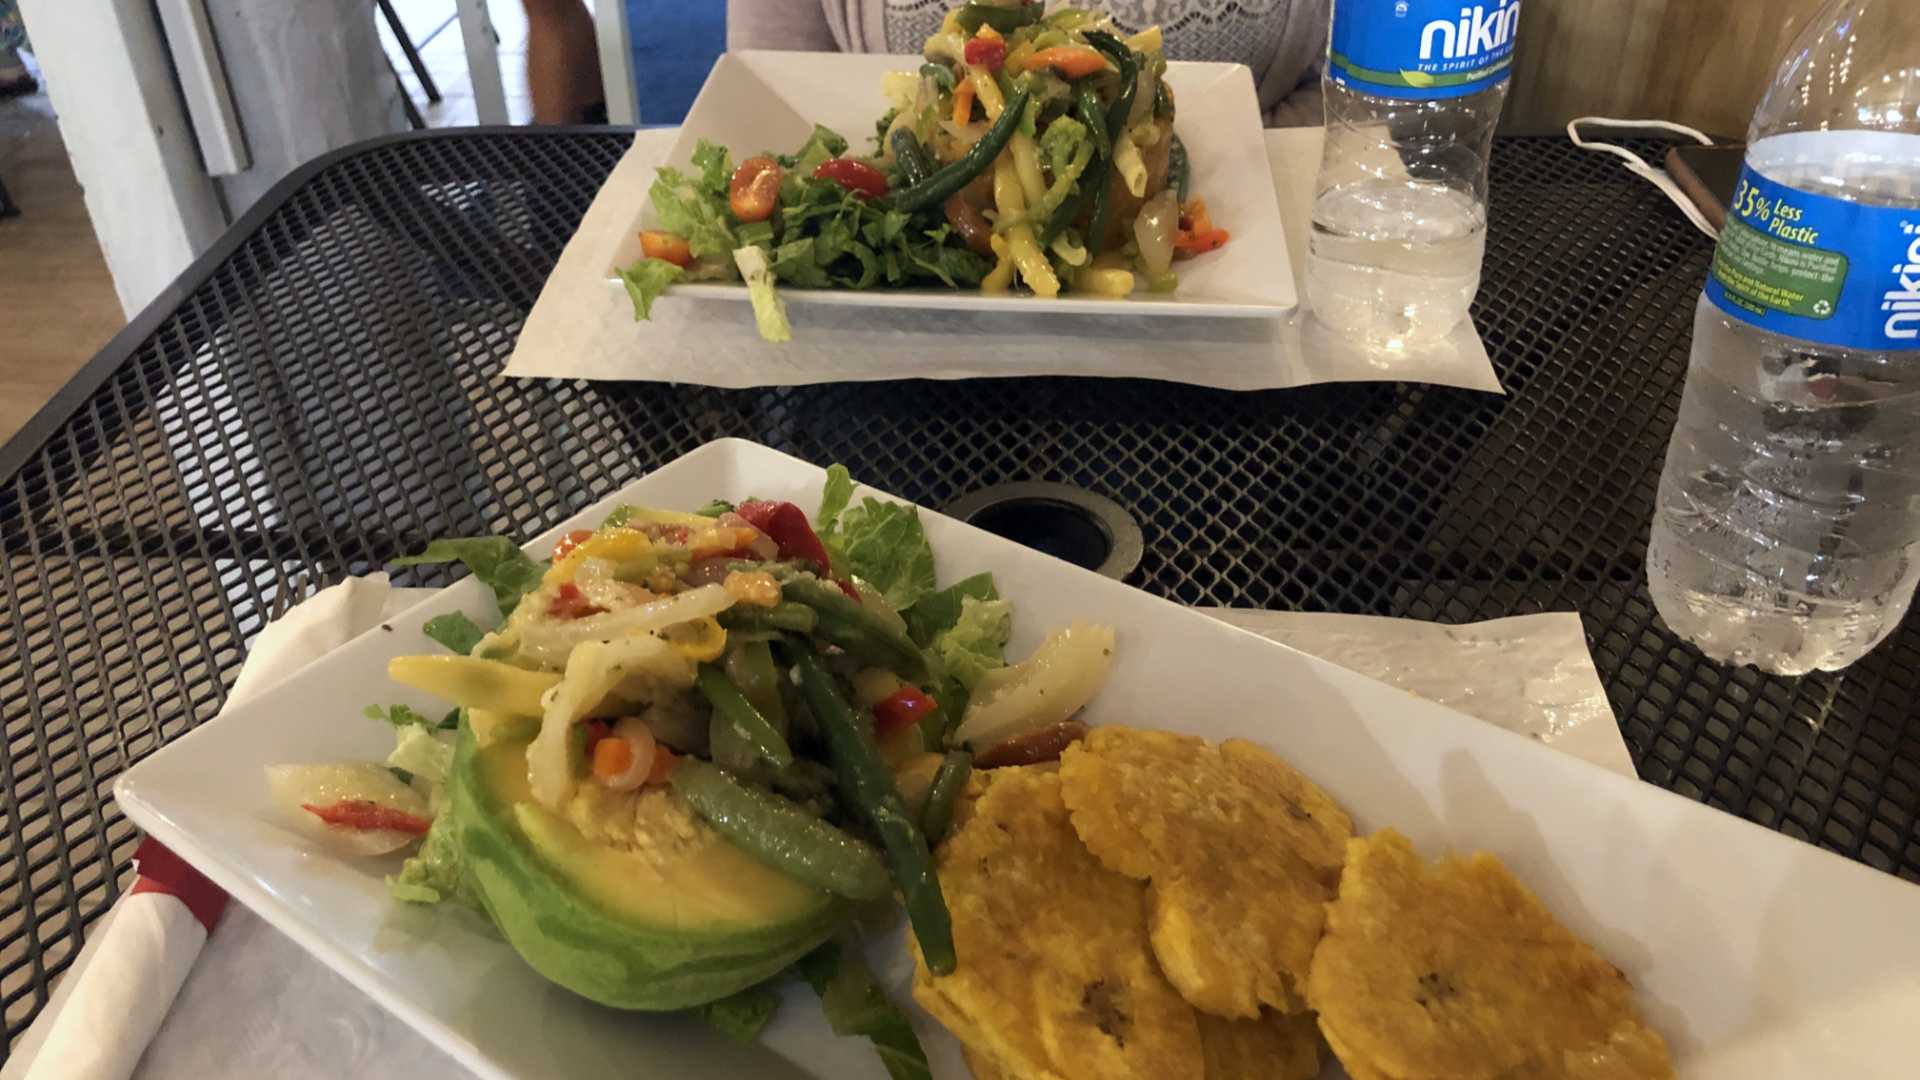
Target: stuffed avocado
<point>697,744</point>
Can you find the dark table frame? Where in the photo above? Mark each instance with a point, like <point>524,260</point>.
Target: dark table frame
<point>316,394</point>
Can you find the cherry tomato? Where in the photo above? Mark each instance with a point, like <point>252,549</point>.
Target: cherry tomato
<point>366,814</point>
<point>987,53</point>
<point>755,189</point>
<point>903,707</point>
<point>570,541</point>
<point>670,247</point>
<point>856,176</point>
<point>571,603</point>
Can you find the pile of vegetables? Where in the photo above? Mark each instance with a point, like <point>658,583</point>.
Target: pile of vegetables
<point>1028,149</point>
<point>799,687</point>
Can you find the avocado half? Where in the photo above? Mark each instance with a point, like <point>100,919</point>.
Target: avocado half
<point>610,925</point>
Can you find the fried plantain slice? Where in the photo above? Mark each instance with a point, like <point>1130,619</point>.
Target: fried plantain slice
<point>1277,1046</point>
<point>1241,852</point>
<point>1454,970</point>
<point>1055,978</point>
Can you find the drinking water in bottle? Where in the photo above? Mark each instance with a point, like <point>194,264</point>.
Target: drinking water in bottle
<point>1787,529</point>
<point>1413,89</point>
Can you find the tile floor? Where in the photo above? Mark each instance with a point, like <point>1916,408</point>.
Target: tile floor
<point>57,304</point>
<point>445,58</point>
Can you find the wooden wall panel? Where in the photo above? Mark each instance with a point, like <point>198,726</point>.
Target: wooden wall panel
<point>1701,62</point>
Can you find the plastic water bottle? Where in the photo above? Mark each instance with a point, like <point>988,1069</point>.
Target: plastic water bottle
<point>1787,532</point>
<point>1413,89</point>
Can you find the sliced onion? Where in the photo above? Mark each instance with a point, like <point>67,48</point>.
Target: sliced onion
<point>550,640</point>
<point>642,666</point>
<point>1057,681</point>
<point>1154,227</point>
<point>596,580</point>
<point>296,787</point>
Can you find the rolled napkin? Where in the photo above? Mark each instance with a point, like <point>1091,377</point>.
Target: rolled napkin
<point>141,957</point>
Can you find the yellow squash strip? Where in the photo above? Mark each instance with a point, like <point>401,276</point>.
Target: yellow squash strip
<point>1000,278</point>
<point>1026,160</point>
<point>615,545</point>
<point>987,90</point>
<point>1146,41</point>
<point>1025,252</point>
<point>1104,282</point>
<point>473,683</point>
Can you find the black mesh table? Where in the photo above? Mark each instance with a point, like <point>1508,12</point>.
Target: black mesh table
<point>320,392</point>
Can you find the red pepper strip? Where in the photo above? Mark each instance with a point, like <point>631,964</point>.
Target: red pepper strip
<point>571,603</point>
<point>903,707</point>
<point>367,814</point>
<point>570,541</point>
<point>789,529</point>
<point>988,53</point>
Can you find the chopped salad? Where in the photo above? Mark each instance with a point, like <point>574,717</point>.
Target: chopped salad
<point>1030,149</point>
<point>705,741</point>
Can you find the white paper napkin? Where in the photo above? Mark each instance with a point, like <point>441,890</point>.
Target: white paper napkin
<point>256,1004</point>
<point>583,328</point>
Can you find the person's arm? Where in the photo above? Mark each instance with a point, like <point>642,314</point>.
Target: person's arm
<point>779,24</point>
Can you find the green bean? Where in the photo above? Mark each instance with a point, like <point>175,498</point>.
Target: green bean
<point>737,725</point>
<point>1004,19</point>
<point>944,794</point>
<point>1113,49</point>
<point>1123,58</point>
<point>1162,98</point>
<point>941,74</point>
<point>843,621</point>
<point>796,618</point>
<point>780,834</point>
<point>1086,105</point>
<point>935,189</point>
<point>869,785</point>
<point>915,165</point>
<point>750,665</point>
<point>1179,170</point>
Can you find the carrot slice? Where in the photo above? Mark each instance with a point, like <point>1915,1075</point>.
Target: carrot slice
<point>1071,61</point>
<point>963,103</point>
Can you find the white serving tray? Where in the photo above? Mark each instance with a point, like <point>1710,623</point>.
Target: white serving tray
<point>1754,954</point>
<point>769,101</point>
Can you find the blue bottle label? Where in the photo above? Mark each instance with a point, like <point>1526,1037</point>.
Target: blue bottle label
<point>1420,50</point>
<point>1817,268</point>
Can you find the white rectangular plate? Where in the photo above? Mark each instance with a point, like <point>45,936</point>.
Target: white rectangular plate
<point>1754,954</point>
<point>769,101</point>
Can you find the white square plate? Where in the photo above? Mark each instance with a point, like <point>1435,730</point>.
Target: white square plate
<point>1754,954</point>
<point>769,101</point>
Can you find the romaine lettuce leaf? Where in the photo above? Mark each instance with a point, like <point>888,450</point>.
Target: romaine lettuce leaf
<point>455,631</point>
<point>715,165</point>
<point>977,643</point>
<point>769,311</point>
<point>854,1005</point>
<point>420,753</point>
<point>937,612</point>
<point>833,498</point>
<point>884,544</point>
<point>497,561</point>
<point>434,874</point>
<point>685,207</point>
<point>645,281</point>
